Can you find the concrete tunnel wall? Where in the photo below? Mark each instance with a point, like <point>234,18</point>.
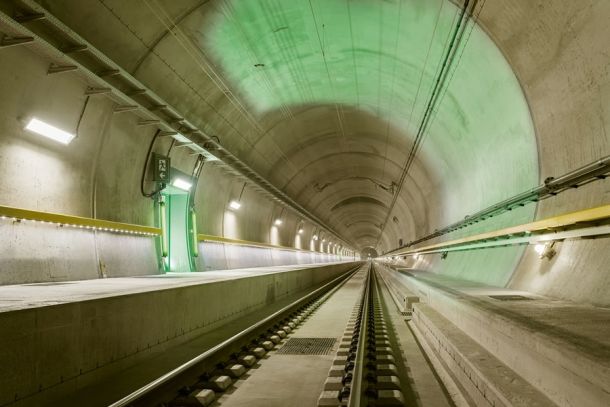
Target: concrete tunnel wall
<point>536,73</point>
<point>98,175</point>
<point>562,67</point>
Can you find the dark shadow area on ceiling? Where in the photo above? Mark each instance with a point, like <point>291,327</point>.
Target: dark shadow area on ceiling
<point>334,131</point>
<point>353,156</point>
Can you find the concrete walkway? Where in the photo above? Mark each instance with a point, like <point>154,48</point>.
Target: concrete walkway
<point>23,296</point>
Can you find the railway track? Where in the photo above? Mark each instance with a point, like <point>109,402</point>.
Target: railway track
<point>362,360</point>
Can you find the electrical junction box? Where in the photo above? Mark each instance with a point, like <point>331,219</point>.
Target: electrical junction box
<point>161,166</point>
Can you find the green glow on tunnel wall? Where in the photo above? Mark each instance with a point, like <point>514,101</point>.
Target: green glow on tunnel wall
<point>369,55</point>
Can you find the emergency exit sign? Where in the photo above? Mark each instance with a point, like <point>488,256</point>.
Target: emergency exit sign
<point>161,168</point>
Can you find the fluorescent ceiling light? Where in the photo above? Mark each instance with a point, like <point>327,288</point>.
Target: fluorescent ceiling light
<point>46,130</point>
<point>234,205</point>
<point>182,184</point>
<point>278,222</point>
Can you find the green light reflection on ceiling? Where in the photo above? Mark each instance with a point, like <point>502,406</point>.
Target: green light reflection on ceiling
<point>369,55</point>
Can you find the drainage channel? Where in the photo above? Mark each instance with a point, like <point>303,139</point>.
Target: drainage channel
<point>201,380</point>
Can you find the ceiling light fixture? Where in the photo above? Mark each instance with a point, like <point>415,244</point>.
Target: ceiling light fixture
<point>48,131</point>
<point>182,184</point>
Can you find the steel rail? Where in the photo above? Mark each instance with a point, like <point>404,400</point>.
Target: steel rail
<point>356,389</point>
<point>155,384</point>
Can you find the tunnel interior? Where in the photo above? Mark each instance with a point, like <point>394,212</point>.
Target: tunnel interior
<point>325,101</point>
<point>459,146</point>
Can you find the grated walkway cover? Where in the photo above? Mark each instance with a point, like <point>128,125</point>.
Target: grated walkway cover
<point>307,346</point>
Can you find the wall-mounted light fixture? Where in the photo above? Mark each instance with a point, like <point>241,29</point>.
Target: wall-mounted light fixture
<point>48,131</point>
<point>164,234</point>
<point>279,220</point>
<point>76,226</point>
<point>300,228</point>
<point>236,204</point>
<point>545,250</point>
<point>182,184</point>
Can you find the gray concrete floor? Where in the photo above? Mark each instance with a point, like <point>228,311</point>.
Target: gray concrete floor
<point>23,296</point>
<point>297,380</point>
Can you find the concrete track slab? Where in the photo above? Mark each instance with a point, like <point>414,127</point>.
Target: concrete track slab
<point>561,347</point>
<point>583,328</point>
<point>297,380</point>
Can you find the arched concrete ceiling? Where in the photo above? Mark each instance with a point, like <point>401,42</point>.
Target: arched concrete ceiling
<point>324,98</point>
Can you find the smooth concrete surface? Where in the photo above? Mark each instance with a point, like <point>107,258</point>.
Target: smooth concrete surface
<point>298,380</point>
<point>71,339</point>
<point>561,348</point>
<point>221,256</point>
<point>23,296</point>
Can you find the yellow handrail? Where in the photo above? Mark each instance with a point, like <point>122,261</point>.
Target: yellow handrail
<point>565,220</point>
<point>239,242</point>
<point>20,214</point>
